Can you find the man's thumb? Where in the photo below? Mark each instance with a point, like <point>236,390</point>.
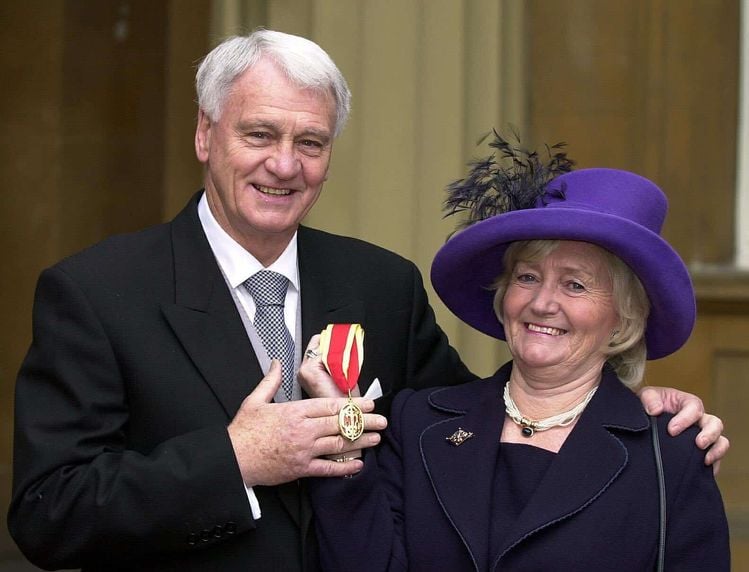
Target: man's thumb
<point>268,387</point>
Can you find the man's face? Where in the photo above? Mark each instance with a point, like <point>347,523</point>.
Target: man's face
<point>265,158</point>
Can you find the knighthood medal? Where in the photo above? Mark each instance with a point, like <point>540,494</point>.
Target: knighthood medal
<point>342,352</point>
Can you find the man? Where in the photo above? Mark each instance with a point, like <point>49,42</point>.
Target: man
<point>146,435</point>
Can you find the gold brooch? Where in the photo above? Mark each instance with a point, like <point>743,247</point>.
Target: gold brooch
<point>459,437</point>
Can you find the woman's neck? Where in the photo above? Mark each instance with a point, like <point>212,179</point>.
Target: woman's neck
<point>538,397</point>
<point>538,394</point>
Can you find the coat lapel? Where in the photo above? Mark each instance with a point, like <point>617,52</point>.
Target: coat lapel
<point>204,316</point>
<point>462,475</point>
<point>327,294</point>
<point>327,298</point>
<point>588,462</point>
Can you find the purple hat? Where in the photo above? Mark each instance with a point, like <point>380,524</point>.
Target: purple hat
<point>616,210</point>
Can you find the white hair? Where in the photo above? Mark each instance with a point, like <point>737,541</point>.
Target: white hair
<point>305,64</point>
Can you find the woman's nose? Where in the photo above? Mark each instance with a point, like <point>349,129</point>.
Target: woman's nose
<point>545,301</point>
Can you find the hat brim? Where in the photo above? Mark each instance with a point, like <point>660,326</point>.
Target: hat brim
<point>465,268</point>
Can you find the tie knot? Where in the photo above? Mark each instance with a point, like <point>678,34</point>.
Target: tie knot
<point>267,288</point>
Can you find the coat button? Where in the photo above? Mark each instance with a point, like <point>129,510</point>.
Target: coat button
<point>192,539</point>
<point>230,528</point>
<point>205,535</point>
<point>218,531</point>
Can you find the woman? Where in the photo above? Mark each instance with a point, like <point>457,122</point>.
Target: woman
<point>550,463</point>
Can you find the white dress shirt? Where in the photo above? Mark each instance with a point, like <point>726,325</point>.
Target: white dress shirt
<point>237,265</point>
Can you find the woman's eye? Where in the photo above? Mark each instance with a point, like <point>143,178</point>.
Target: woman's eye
<point>576,287</point>
<point>526,278</point>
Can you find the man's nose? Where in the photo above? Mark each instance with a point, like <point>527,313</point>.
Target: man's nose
<point>283,162</point>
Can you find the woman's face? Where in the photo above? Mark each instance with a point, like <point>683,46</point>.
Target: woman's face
<point>560,311</point>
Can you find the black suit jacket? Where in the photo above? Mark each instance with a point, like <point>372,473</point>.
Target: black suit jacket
<point>138,363</point>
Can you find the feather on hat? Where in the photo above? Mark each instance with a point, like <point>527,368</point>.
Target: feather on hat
<point>617,210</point>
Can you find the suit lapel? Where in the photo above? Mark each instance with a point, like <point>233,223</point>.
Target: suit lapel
<point>327,294</point>
<point>462,475</point>
<point>327,298</point>
<point>204,316</point>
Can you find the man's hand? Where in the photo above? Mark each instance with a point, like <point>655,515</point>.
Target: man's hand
<point>688,410</point>
<point>279,442</point>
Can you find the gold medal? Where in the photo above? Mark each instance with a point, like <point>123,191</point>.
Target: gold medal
<point>351,420</point>
<point>342,350</point>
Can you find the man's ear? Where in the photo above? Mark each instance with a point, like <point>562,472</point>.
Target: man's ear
<point>203,136</point>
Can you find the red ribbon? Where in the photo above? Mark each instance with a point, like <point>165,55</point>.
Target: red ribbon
<point>340,345</point>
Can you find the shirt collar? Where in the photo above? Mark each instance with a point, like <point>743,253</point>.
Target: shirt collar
<point>236,263</point>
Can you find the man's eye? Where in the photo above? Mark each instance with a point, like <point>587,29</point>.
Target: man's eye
<point>311,143</point>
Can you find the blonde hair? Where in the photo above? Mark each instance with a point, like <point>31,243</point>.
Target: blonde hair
<point>626,352</point>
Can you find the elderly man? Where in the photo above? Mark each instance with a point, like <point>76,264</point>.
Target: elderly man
<point>147,437</point>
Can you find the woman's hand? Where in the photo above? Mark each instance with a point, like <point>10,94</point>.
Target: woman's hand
<point>314,378</point>
<point>688,410</point>
<point>316,381</point>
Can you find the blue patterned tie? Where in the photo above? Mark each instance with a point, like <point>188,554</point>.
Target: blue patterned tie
<point>268,289</point>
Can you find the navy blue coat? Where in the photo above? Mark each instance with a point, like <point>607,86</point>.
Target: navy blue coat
<point>424,504</point>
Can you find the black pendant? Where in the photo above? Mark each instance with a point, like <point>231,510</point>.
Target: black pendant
<point>527,431</point>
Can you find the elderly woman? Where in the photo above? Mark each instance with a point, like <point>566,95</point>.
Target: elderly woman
<point>551,463</point>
